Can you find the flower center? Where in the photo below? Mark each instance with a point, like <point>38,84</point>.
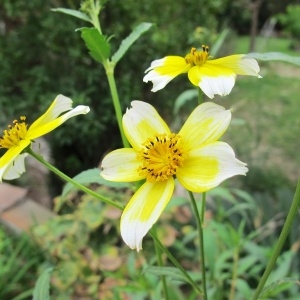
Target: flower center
<point>14,133</point>
<point>197,58</point>
<point>161,157</point>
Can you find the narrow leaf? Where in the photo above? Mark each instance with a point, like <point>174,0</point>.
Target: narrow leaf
<point>42,286</point>
<point>276,56</point>
<point>73,12</point>
<point>183,98</point>
<point>96,43</point>
<point>127,42</point>
<point>91,176</point>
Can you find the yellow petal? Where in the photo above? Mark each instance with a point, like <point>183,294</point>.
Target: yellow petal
<point>143,210</point>
<point>46,124</point>
<point>12,163</point>
<point>142,122</point>
<point>240,64</point>
<point>206,124</point>
<point>121,165</point>
<point>212,79</point>
<point>162,71</point>
<point>206,167</point>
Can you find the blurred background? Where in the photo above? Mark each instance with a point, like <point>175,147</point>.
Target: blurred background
<point>41,56</point>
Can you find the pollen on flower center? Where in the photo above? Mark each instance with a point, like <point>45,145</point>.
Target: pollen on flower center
<point>197,58</point>
<point>14,133</point>
<point>161,157</point>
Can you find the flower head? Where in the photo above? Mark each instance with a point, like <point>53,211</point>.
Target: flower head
<point>212,76</point>
<point>19,136</point>
<point>194,156</point>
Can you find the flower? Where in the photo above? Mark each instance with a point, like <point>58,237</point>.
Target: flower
<point>194,156</point>
<point>18,137</point>
<point>212,76</point>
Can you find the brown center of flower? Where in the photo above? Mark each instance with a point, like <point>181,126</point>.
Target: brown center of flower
<point>161,157</point>
<point>197,58</point>
<point>14,133</point>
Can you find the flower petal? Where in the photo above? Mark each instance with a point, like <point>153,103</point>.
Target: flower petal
<point>46,124</point>
<point>12,163</point>
<point>164,70</point>
<point>121,165</point>
<point>143,210</point>
<point>206,124</point>
<point>240,64</point>
<point>207,166</point>
<point>212,79</point>
<point>141,122</point>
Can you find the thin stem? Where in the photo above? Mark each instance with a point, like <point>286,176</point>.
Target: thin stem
<point>96,8</point>
<point>203,205</point>
<point>234,273</point>
<point>199,223</point>
<point>200,96</point>
<point>114,93</point>
<point>68,179</point>
<point>160,263</point>
<point>280,242</point>
<point>176,263</point>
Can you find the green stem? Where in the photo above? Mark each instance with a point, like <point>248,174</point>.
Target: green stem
<point>200,96</point>
<point>160,263</point>
<point>68,179</point>
<point>114,93</point>
<point>176,263</point>
<point>199,223</point>
<point>203,204</point>
<point>95,11</point>
<point>280,242</point>
<point>234,273</point>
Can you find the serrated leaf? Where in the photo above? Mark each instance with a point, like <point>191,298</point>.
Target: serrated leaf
<point>96,43</point>
<point>276,56</point>
<point>42,286</point>
<point>127,42</point>
<point>91,176</point>
<point>73,12</point>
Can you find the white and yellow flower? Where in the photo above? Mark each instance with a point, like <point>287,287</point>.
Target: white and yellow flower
<point>212,76</point>
<point>194,156</point>
<point>18,137</point>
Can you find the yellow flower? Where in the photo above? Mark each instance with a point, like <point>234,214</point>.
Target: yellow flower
<point>212,76</point>
<point>194,156</point>
<point>18,137</point>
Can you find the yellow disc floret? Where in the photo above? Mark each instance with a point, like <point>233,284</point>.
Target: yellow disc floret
<point>197,58</point>
<point>14,133</point>
<point>161,157</point>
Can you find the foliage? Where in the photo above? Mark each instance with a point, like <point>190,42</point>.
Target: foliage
<point>19,261</point>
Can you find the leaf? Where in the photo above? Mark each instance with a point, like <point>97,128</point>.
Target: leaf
<point>128,41</point>
<point>183,98</point>
<point>73,12</point>
<point>42,286</point>
<point>276,56</point>
<point>91,176</point>
<point>171,273</point>
<point>96,43</point>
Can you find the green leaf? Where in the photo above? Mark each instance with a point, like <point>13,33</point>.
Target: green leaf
<point>276,56</point>
<point>73,12</point>
<point>96,43</point>
<point>42,286</point>
<point>127,42</point>
<point>183,98</point>
<point>91,176</point>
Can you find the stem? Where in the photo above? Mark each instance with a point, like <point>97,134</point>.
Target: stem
<point>68,179</point>
<point>200,96</point>
<point>203,204</point>
<point>234,273</point>
<point>176,263</point>
<point>160,263</point>
<point>114,93</point>
<point>201,241</point>
<point>95,15</point>
<point>280,242</point>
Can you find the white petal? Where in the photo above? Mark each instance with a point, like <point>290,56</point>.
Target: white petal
<point>15,168</point>
<point>206,124</point>
<point>121,165</point>
<point>141,122</point>
<point>143,210</point>
<point>208,166</point>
